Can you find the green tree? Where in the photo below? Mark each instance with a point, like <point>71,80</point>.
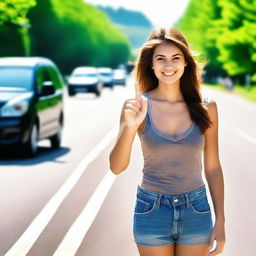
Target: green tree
<point>225,32</point>
<point>76,33</point>
<point>14,26</point>
<point>196,24</point>
<point>237,37</point>
<point>15,11</point>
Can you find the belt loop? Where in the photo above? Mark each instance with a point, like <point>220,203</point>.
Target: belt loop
<point>187,200</point>
<point>159,200</point>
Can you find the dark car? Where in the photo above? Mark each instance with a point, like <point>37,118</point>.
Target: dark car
<point>31,103</point>
<point>84,79</point>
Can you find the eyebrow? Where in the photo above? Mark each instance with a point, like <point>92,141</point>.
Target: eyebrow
<point>176,54</point>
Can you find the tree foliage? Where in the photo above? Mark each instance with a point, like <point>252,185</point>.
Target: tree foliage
<point>71,33</point>
<point>75,33</point>
<point>237,37</point>
<point>14,26</point>
<point>15,11</point>
<point>225,31</point>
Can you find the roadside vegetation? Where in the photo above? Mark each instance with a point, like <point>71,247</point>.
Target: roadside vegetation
<point>224,32</point>
<point>71,33</point>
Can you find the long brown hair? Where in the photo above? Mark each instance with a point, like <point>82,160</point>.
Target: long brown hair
<point>189,82</point>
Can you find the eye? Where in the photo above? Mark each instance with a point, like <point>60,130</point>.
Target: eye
<point>176,58</point>
<point>159,59</point>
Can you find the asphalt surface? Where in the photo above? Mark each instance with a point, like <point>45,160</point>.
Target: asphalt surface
<point>26,185</point>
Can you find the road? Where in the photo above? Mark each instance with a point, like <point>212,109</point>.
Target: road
<point>27,186</point>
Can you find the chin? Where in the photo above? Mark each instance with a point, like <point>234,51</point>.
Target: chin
<point>169,81</point>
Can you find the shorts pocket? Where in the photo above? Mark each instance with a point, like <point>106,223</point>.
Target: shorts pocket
<point>144,205</point>
<point>200,205</point>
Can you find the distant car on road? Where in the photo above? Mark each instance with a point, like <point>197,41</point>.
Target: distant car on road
<point>31,103</point>
<point>119,77</point>
<point>106,75</point>
<point>84,79</point>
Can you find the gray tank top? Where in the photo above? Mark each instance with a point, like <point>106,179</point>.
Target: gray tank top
<point>172,164</point>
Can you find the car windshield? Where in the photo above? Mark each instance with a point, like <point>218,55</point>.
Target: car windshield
<point>105,74</point>
<point>85,75</point>
<point>16,78</point>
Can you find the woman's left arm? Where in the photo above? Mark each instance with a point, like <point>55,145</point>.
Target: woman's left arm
<point>215,180</point>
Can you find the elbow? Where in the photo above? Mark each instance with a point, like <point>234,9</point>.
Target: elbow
<point>117,165</point>
<point>116,170</point>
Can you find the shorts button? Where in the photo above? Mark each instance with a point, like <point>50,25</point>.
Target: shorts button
<point>176,200</point>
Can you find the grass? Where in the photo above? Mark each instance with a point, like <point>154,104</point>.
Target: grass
<point>241,90</point>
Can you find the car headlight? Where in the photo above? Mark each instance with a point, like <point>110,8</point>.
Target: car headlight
<point>16,107</point>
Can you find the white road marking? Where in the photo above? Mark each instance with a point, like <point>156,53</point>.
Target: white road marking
<point>76,233</point>
<point>31,234</point>
<point>240,132</point>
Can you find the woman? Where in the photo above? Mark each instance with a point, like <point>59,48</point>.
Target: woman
<point>175,125</point>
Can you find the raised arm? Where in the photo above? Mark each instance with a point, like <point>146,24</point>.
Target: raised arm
<point>132,115</point>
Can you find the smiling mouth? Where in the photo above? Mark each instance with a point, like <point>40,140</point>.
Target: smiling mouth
<point>169,74</point>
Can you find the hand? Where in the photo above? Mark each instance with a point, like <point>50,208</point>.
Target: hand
<point>218,234</point>
<point>135,109</point>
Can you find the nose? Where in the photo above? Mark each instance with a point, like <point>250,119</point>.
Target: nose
<point>168,64</point>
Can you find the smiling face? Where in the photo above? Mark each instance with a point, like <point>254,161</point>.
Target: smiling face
<point>168,63</point>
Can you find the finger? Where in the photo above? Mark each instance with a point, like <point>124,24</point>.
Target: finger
<point>130,113</point>
<point>211,242</point>
<point>137,91</point>
<point>135,102</point>
<point>130,100</point>
<point>217,250</point>
<point>132,107</point>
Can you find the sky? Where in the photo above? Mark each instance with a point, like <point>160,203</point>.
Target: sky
<point>161,13</point>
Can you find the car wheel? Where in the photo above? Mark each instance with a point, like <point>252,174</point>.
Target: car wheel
<point>30,147</point>
<point>71,92</point>
<point>56,139</point>
<point>98,91</point>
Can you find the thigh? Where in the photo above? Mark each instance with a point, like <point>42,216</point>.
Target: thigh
<point>191,250</point>
<point>167,250</point>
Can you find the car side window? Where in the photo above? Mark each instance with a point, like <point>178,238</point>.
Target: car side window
<point>55,78</point>
<point>42,76</point>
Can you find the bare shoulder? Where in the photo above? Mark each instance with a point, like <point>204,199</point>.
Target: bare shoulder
<point>211,107</point>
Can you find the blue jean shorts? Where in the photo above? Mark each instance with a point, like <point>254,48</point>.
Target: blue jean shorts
<point>162,219</point>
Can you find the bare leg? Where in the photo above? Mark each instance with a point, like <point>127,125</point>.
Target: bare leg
<point>167,250</point>
<point>191,250</point>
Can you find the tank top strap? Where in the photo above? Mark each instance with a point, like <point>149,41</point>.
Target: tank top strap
<point>147,121</point>
<point>149,102</point>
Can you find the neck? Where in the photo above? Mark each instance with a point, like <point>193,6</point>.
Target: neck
<point>169,92</point>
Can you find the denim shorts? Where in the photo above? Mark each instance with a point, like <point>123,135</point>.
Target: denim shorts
<point>162,219</point>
